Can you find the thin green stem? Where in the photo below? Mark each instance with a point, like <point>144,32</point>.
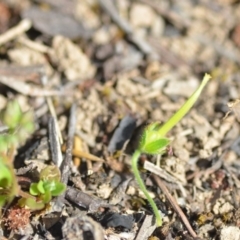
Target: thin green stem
<point>139,180</point>
<point>184,109</point>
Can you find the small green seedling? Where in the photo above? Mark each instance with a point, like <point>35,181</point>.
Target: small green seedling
<point>20,126</point>
<point>154,141</point>
<point>48,186</point>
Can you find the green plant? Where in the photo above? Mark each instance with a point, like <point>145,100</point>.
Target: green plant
<point>20,126</point>
<point>154,141</point>
<point>47,187</point>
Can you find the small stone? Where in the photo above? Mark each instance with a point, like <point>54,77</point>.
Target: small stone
<point>230,233</point>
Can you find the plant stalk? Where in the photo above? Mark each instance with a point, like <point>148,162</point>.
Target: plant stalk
<point>139,180</point>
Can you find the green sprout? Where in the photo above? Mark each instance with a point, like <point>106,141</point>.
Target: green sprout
<point>153,141</point>
<point>47,187</point>
<point>20,126</point>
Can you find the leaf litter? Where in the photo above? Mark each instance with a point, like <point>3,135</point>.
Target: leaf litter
<point>110,72</point>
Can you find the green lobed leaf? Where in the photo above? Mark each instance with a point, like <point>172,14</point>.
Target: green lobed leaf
<point>152,142</point>
<point>20,124</point>
<point>59,189</point>
<point>31,203</point>
<point>56,188</point>
<point>156,147</point>
<point>41,187</point>
<point>49,185</point>
<point>46,197</point>
<point>34,189</point>
<point>5,176</point>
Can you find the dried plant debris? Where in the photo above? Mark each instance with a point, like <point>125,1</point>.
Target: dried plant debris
<point>103,70</point>
<point>122,133</point>
<point>82,227</point>
<point>52,23</point>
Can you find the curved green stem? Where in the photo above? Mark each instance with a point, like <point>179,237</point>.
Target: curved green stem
<point>139,180</point>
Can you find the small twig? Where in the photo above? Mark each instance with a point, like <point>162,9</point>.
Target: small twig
<point>34,45</point>
<point>27,89</point>
<point>171,16</point>
<point>87,156</point>
<point>65,167</point>
<point>14,32</point>
<point>44,80</point>
<point>77,145</point>
<point>78,153</point>
<point>175,205</point>
<point>110,9</point>
<point>146,229</point>
<point>54,142</point>
<point>66,163</point>
<point>158,171</point>
<point>22,73</point>
<point>85,200</point>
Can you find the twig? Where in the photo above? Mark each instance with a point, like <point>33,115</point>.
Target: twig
<point>146,229</point>
<point>85,200</point>
<point>27,89</point>
<point>171,16</point>
<point>14,32</point>
<point>54,142</point>
<point>65,167</point>
<point>34,45</point>
<point>22,73</point>
<point>44,80</point>
<point>66,163</point>
<point>78,153</point>
<point>175,205</point>
<point>110,9</point>
<point>158,171</point>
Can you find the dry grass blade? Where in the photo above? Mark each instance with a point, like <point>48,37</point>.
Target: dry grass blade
<point>86,155</point>
<point>14,32</point>
<point>146,229</point>
<point>175,205</point>
<point>27,89</point>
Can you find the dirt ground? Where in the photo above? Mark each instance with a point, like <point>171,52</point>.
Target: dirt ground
<point>95,73</point>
